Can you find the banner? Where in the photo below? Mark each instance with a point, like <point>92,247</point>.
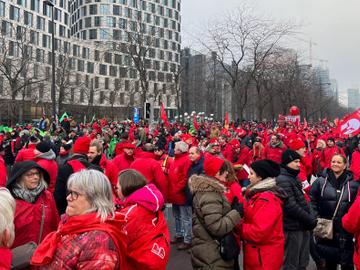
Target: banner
<point>349,125</point>
<point>136,115</point>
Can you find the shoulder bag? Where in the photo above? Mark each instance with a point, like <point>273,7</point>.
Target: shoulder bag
<point>22,254</point>
<point>325,227</point>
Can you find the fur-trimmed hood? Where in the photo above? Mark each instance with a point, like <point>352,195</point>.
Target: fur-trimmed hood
<point>202,183</point>
<point>268,184</point>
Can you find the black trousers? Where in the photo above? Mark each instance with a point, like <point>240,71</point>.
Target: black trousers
<point>333,266</point>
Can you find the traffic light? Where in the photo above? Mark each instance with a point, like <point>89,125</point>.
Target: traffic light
<point>147,110</point>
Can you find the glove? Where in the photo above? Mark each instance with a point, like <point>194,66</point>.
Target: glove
<point>238,206</point>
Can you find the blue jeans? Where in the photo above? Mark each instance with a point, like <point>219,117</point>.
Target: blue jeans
<point>183,222</point>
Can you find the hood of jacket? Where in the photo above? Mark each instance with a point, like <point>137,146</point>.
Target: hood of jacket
<point>202,183</point>
<point>268,184</point>
<point>49,155</point>
<point>148,197</point>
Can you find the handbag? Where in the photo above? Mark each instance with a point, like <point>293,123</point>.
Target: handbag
<point>229,248</point>
<point>325,227</point>
<point>22,254</point>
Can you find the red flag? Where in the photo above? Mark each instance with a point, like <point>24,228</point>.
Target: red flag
<point>196,125</point>
<point>163,115</point>
<point>226,120</point>
<point>349,125</point>
<point>305,123</point>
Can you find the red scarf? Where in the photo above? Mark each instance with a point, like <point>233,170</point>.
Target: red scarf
<point>79,224</point>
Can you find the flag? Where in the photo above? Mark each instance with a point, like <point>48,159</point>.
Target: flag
<point>163,115</point>
<point>305,123</point>
<point>43,113</point>
<point>336,122</point>
<point>226,120</point>
<point>349,125</point>
<point>63,117</point>
<point>92,119</point>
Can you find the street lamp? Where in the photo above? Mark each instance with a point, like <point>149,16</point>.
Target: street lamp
<point>53,96</point>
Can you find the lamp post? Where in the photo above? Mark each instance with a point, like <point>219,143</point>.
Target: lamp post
<point>53,96</point>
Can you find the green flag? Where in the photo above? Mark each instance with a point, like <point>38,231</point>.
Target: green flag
<point>63,116</point>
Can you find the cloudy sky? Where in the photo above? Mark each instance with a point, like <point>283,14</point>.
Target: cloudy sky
<point>332,25</point>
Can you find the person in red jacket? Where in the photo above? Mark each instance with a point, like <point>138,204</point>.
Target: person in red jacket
<point>123,161</point>
<point>298,146</point>
<point>274,150</point>
<point>28,152</point>
<point>355,163</point>
<point>316,157</point>
<point>262,226</point>
<point>176,195</point>
<point>90,234</point>
<point>7,234</point>
<point>3,172</point>
<point>96,156</point>
<point>35,205</point>
<point>146,164</point>
<point>331,150</point>
<point>351,223</point>
<point>147,232</point>
<point>46,158</point>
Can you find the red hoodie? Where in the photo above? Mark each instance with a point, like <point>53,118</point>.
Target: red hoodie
<point>148,235</point>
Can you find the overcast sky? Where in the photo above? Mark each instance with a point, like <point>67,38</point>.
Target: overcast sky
<point>333,25</point>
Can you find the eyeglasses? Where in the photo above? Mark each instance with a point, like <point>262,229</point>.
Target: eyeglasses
<point>73,194</point>
<point>32,174</point>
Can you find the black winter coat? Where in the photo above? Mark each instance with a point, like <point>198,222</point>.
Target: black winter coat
<point>324,194</point>
<point>64,173</point>
<point>296,210</point>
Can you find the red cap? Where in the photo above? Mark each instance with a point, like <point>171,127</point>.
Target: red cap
<point>81,145</point>
<point>212,165</point>
<point>296,144</point>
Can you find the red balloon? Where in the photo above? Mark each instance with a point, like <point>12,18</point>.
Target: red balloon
<point>294,110</point>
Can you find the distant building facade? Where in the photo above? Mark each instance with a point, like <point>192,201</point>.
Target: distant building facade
<point>91,36</point>
<point>353,98</point>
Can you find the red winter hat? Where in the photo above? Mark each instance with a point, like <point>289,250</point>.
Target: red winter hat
<point>296,144</point>
<point>212,165</point>
<point>81,145</point>
<point>235,143</point>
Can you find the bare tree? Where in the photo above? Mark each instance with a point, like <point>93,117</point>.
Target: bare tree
<point>17,65</point>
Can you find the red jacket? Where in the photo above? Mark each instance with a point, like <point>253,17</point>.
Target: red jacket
<point>109,169</point>
<point>146,164</point>
<point>316,162</point>
<point>148,235</point>
<point>178,178</point>
<point>242,159</point>
<point>351,223</point>
<point>273,153</point>
<point>3,172</point>
<point>51,167</point>
<point>328,153</point>
<point>26,153</point>
<point>122,162</point>
<point>355,165</point>
<point>6,256</point>
<point>28,219</point>
<point>262,232</point>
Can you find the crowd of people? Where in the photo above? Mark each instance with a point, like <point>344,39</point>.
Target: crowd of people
<point>95,195</point>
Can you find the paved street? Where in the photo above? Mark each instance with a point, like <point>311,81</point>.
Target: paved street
<point>180,260</point>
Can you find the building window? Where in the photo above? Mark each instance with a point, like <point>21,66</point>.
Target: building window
<point>102,97</point>
<point>104,9</point>
<point>90,67</point>
<point>113,71</point>
<point>40,55</point>
<point>14,13</point>
<point>28,18</point>
<point>87,22</point>
<point>92,34</point>
<point>116,10</point>
<point>72,95</point>
<point>40,23</point>
<point>2,9</point>
<point>81,65</point>
<point>93,9</point>
<point>122,98</point>
<point>106,83</point>
<point>103,69</point>
<point>104,34</point>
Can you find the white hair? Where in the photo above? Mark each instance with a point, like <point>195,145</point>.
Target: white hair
<point>183,147</point>
<point>7,209</point>
<point>97,189</point>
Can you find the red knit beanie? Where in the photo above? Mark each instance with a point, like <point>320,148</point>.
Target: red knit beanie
<point>81,145</point>
<point>212,165</point>
<point>296,144</point>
